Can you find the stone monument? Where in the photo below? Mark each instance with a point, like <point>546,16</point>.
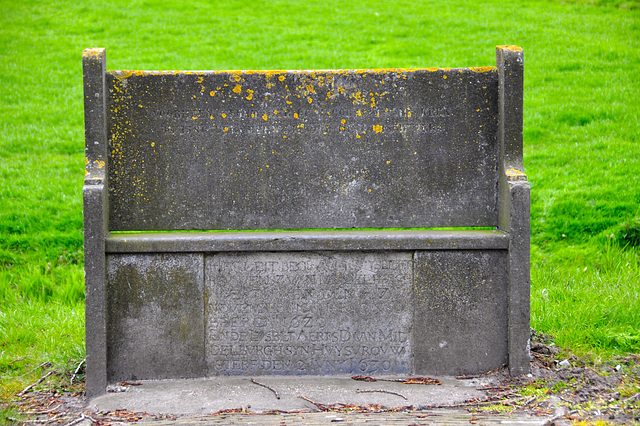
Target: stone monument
<point>291,222</point>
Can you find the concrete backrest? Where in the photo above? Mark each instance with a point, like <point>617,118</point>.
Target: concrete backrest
<point>299,150</point>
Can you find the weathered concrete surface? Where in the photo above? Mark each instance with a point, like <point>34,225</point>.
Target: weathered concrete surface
<point>303,149</point>
<point>460,311</point>
<point>156,316</point>
<point>207,396</point>
<point>309,313</point>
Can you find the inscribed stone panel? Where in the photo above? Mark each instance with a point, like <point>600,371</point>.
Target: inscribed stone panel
<point>308,313</point>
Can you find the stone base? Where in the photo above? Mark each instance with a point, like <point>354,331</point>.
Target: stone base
<point>185,315</point>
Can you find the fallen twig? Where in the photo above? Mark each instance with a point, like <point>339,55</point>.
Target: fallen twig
<point>273,412</point>
<point>79,419</point>
<point>39,421</point>
<point>49,411</point>
<point>631,398</point>
<point>364,379</point>
<point>37,382</point>
<point>529,401</point>
<point>341,406</point>
<point>75,373</point>
<point>417,381</point>
<point>18,360</point>
<point>381,391</point>
<point>266,386</point>
<point>401,408</point>
<point>44,364</point>
<point>320,406</point>
<point>229,411</point>
<point>475,376</point>
<point>406,381</point>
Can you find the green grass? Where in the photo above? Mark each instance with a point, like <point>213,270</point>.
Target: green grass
<point>582,131</point>
<point>588,298</point>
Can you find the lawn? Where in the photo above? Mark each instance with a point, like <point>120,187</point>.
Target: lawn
<point>582,130</point>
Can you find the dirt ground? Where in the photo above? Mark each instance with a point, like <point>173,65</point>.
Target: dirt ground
<point>571,391</point>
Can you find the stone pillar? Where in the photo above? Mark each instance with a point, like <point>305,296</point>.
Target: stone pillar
<point>95,218</point>
<point>514,200</point>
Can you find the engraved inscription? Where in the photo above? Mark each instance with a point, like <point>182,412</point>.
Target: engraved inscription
<point>311,313</point>
<point>252,122</point>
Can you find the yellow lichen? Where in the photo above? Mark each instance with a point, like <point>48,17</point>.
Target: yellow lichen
<point>237,89</point>
<point>482,69</point>
<point>514,172</point>
<point>96,51</point>
<point>377,128</point>
<point>264,117</point>
<point>510,47</point>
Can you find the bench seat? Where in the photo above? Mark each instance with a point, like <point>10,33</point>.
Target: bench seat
<point>338,240</point>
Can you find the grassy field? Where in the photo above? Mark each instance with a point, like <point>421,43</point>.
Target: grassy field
<point>582,132</point>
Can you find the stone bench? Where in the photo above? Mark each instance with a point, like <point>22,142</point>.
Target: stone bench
<point>341,222</point>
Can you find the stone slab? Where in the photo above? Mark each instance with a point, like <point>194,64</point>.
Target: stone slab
<point>155,307</point>
<point>349,240</point>
<point>207,396</point>
<point>302,149</point>
<point>461,311</point>
<point>309,313</point>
